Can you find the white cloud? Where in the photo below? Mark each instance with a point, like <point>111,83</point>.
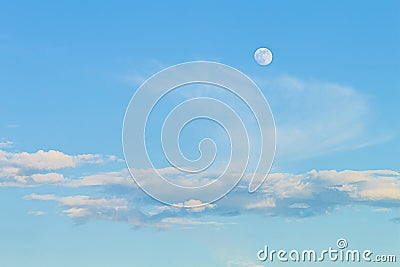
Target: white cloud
<point>11,178</point>
<point>107,178</point>
<point>199,206</point>
<point>383,192</point>
<point>299,206</point>
<point>41,160</point>
<point>49,160</point>
<point>40,197</point>
<point>372,185</point>
<point>36,212</point>
<point>283,194</point>
<point>75,213</point>
<point>25,169</point>
<point>312,118</point>
<point>82,201</point>
<point>47,178</point>
<point>87,201</point>
<point>382,210</point>
<point>191,205</point>
<point>8,171</point>
<point>83,208</point>
<point>6,144</point>
<point>264,204</point>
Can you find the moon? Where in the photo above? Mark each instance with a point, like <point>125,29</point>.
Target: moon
<point>263,56</point>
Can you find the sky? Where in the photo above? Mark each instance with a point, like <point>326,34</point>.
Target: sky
<point>69,71</point>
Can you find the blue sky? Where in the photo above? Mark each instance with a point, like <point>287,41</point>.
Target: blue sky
<point>70,69</point>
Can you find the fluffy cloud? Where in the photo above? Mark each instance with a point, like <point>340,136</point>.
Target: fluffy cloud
<point>32,169</point>
<point>318,192</point>
<point>283,194</point>
<point>51,177</point>
<point>40,160</point>
<point>49,160</point>
<point>8,171</point>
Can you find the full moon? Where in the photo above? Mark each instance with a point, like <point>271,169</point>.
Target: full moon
<point>263,56</point>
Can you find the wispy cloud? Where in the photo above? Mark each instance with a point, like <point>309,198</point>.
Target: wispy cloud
<point>36,212</point>
<point>312,117</point>
<point>6,144</point>
<point>315,117</point>
<point>12,126</point>
<point>107,178</point>
<point>382,210</point>
<point>83,208</point>
<point>190,222</point>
